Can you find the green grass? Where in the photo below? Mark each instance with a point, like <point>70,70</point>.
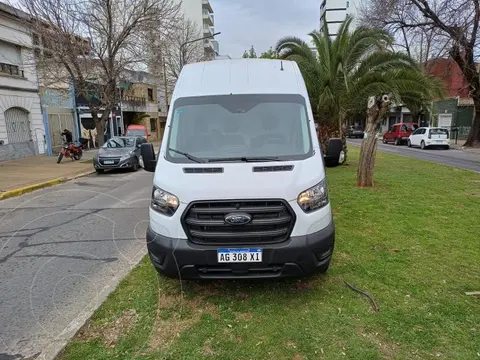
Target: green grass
<point>413,242</point>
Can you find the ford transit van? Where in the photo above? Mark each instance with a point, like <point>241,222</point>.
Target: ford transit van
<point>239,189</point>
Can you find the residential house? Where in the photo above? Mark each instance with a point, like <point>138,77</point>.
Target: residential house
<point>456,110</point>
<point>139,93</point>
<point>22,130</point>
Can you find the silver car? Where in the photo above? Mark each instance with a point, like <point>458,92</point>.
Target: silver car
<point>120,152</point>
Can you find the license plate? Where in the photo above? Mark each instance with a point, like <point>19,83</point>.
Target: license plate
<point>239,255</point>
<point>108,162</point>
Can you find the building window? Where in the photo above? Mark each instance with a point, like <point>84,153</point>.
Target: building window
<point>9,69</point>
<point>153,124</point>
<point>150,94</point>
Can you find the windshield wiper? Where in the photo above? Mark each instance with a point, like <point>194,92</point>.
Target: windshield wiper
<point>245,159</point>
<point>188,156</point>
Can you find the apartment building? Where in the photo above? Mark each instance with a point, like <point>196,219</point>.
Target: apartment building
<point>201,13</point>
<point>334,12</point>
<point>22,129</point>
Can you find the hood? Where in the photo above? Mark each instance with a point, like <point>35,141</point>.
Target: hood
<point>114,152</point>
<point>238,180</point>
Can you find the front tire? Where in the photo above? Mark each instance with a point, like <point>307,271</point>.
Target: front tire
<point>99,171</point>
<point>60,157</point>
<point>409,144</point>
<point>135,166</point>
<point>422,145</point>
<point>397,142</point>
<point>447,147</point>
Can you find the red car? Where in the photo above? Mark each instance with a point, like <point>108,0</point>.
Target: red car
<point>399,133</point>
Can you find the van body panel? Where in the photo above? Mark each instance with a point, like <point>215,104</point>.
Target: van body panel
<point>308,245</point>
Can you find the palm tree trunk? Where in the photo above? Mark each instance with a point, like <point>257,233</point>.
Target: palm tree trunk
<point>368,151</point>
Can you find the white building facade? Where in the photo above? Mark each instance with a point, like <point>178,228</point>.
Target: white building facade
<point>334,12</point>
<point>22,131</point>
<point>201,13</point>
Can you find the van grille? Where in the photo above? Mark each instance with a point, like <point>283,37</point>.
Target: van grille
<point>272,222</point>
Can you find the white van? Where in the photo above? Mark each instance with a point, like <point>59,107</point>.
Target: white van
<point>239,189</point>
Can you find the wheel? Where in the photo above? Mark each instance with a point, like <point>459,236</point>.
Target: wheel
<point>77,156</point>
<point>99,171</point>
<point>135,166</point>
<point>447,147</point>
<point>397,142</point>
<point>60,157</point>
<point>409,143</point>
<point>384,140</point>
<point>422,145</point>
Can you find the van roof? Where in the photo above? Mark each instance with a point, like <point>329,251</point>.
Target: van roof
<point>240,76</point>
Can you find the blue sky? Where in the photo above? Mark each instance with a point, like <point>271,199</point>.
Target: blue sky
<point>261,23</point>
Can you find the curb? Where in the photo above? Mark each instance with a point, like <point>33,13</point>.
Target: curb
<point>38,186</point>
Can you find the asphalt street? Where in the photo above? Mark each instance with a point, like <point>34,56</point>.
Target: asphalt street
<point>62,250</point>
<point>451,157</point>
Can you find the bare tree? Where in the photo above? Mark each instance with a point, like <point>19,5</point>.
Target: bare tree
<point>452,24</point>
<point>173,52</point>
<point>91,42</point>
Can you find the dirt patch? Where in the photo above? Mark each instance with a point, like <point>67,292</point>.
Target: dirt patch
<point>298,357</point>
<point>291,345</point>
<point>175,314</point>
<point>388,349</point>
<point>111,332</point>
<point>243,316</point>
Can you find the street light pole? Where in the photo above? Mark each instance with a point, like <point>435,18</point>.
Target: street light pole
<point>191,41</point>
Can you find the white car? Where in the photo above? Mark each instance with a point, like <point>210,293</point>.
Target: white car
<point>429,137</point>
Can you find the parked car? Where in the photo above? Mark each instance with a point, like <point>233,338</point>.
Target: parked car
<point>137,130</point>
<point>239,189</point>
<point>399,133</point>
<point>430,137</point>
<point>120,152</point>
<point>355,131</point>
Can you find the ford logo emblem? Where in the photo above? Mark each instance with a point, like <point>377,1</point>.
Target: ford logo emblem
<point>238,218</point>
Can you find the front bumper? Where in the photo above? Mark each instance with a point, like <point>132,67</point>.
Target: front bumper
<point>122,164</point>
<point>296,257</point>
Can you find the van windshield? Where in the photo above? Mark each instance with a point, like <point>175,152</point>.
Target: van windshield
<point>231,127</point>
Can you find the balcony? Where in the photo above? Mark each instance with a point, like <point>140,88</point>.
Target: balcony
<point>134,103</point>
<point>206,5</point>
<point>11,70</point>
<point>207,30</point>
<point>207,18</point>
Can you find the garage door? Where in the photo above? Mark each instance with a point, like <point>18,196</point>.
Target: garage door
<point>18,126</point>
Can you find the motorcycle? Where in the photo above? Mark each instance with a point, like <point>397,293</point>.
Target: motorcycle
<point>69,150</point>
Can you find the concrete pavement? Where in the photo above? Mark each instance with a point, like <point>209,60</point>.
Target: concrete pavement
<point>62,250</point>
<point>452,157</point>
<point>37,169</point>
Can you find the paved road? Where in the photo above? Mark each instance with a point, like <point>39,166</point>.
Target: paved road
<point>62,250</point>
<point>457,158</point>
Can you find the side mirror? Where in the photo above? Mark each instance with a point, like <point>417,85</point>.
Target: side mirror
<point>148,156</point>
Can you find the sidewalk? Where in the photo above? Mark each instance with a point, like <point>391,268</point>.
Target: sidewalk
<point>17,174</point>
<point>459,146</point>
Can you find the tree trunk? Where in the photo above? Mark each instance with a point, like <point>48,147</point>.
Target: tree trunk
<point>368,152</point>
<point>473,138</point>
<point>377,110</point>
<point>100,125</point>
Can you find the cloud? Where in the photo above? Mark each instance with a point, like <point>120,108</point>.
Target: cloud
<point>262,23</point>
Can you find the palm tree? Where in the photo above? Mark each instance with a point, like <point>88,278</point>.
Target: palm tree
<point>347,70</point>
<point>139,117</point>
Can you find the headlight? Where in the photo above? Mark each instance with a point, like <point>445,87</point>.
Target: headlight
<point>314,198</point>
<point>164,202</point>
